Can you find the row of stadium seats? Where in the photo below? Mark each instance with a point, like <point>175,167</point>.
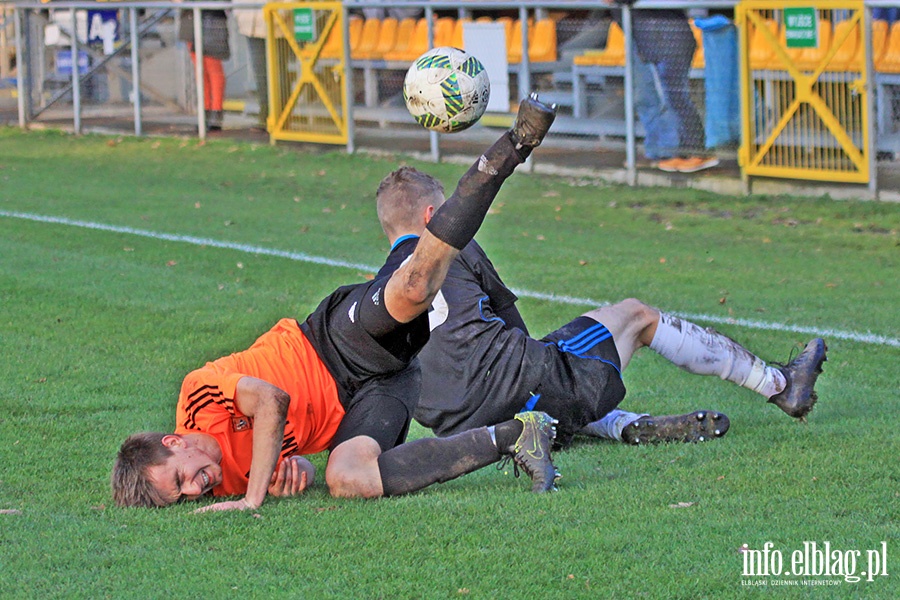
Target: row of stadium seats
<point>614,53</point>
<point>403,41</point>
<point>885,45</point>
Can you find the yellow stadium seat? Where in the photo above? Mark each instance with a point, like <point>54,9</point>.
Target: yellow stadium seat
<point>514,41</point>
<point>612,56</point>
<point>405,32</point>
<point>762,52</point>
<point>368,41</point>
<point>508,27</point>
<point>443,31</point>
<point>793,53</point>
<point>847,56</point>
<point>332,47</point>
<point>387,40</point>
<point>811,58</point>
<point>699,61</point>
<point>418,44</point>
<point>543,46</point>
<point>879,42</point>
<point>458,41</point>
<point>890,62</point>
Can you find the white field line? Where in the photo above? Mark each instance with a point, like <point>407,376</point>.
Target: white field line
<point>866,338</point>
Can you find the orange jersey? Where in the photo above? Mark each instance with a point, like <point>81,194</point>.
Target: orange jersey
<point>283,357</point>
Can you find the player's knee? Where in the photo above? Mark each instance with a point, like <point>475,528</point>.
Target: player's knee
<point>639,313</point>
<point>352,470</point>
<point>352,483</point>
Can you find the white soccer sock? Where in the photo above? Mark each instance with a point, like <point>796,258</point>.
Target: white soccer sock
<point>707,352</point>
<point>610,427</point>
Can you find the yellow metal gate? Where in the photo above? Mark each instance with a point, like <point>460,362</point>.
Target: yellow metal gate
<point>803,80</point>
<point>306,64</point>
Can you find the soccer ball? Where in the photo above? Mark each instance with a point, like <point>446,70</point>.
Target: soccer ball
<point>446,90</point>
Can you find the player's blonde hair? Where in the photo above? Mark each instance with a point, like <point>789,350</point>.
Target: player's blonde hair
<point>401,198</point>
<point>130,484</point>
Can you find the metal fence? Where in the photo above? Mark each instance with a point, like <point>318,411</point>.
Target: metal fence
<point>128,68</point>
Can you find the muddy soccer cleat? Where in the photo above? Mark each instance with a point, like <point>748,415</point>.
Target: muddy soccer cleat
<point>532,123</point>
<point>531,451</point>
<point>799,394</point>
<point>699,426</point>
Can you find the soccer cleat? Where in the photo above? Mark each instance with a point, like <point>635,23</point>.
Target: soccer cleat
<point>531,451</point>
<point>697,426</point>
<point>799,394</point>
<point>532,122</point>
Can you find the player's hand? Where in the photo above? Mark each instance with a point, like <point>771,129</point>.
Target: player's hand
<point>292,477</point>
<point>241,504</point>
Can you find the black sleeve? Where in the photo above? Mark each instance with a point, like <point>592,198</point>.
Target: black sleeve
<point>502,299</point>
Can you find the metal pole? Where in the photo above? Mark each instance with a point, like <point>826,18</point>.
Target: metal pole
<point>524,82</point>
<point>198,74</point>
<point>76,85</point>
<point>348,83</point>
<point>21,68</point>
<point>4,48</point>
<point>433,139</point>
<point>871,133</point>
<point>135,70</point>
<point>631,172</point>
<point>524,66</point>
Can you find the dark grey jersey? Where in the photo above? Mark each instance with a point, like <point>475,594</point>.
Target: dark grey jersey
<point>480,363</point>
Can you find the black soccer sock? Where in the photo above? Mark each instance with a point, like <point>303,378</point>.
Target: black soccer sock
<point>507,433</point>
<point>459,218</point>
<point>420,463</point>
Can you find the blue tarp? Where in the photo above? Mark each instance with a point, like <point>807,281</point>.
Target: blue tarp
<point>722,90</point>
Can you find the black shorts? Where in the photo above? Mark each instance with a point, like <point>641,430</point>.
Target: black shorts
<point>583,381</point>
<point>573,374</point>
<point>379,388</point>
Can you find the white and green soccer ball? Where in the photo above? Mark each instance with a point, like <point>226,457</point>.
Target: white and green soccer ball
<point>446,90</point>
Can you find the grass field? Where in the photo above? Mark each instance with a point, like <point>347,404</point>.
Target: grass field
<point>99,325</point>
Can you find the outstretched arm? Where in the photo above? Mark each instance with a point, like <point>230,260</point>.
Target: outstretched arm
<point>267,405</point>
<point>413,286</point>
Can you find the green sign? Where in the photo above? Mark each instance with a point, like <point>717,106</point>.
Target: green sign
<point>801,28</point>
<point>304,25</point>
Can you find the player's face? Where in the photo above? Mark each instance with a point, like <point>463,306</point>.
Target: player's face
<point>187,474</point>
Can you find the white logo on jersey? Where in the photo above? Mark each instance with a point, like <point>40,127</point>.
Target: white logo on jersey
<point>375,296</point>
<point>351,311</point>
<point>437,316</point>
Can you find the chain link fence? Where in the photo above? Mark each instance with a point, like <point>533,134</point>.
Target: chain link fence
<point>137,73</point>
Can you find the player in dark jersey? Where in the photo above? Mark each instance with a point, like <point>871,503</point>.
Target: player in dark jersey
<point>481,366</point>
<point>345,380</point>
